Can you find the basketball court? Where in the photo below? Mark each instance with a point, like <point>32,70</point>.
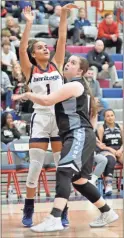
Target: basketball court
<point>81,213</point>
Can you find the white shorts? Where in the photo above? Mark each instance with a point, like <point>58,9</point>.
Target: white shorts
<point>43,127</point>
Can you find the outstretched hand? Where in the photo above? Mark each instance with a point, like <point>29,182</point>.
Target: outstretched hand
<point>18,97</point>
<point>28,14</point>
<point>70,6</point>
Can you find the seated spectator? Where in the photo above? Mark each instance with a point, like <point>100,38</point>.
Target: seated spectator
<point>54,21</point>
<point>67,54</point>
<point>38,15</point>
<point>19,84</point>
<point>8,130</point>
<point>6,90</point>
<point>16,70</point>
<point>14,29</point>
<point>8,57</point>
<point>95,88</point>
<point>45,7</point>
<point>50,5</point>
<point>18,79</point>
<point>79,23</point>
<point>108,32</point>
<point>111,135</point>
<point>102,64</point>
<point>13,8</point>
<point>6,35</point>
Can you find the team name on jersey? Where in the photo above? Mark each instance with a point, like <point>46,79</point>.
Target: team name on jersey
<point>45,78</point>
<point>111,136</point>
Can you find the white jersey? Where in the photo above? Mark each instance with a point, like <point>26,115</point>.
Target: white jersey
<point>43,82</point>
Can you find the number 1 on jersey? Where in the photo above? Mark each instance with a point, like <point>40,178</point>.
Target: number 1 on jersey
<point>48,88</point>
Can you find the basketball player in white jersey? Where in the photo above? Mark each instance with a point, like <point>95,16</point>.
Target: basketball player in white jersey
<point>44,78</point>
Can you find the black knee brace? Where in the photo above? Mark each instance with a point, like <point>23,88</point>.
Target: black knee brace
<point>63,182</point>
<point>89,191</point>
<point>110,166</point>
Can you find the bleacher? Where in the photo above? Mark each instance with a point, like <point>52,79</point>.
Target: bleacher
<point>82,51</point>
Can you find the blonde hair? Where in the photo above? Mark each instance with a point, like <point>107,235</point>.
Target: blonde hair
<point>5,32</point>
<point>8,18</point>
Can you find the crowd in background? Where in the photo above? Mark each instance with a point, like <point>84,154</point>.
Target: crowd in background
<point>80,31</point>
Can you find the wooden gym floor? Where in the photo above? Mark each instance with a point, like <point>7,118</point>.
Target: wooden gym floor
<point>81,213</point>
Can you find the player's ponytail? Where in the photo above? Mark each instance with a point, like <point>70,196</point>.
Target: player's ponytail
<point>84,65</point>
<point>93,106</point>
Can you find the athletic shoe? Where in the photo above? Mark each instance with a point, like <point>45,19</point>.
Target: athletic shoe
<point>104,219</point>
<point>50,223</point>
<point>64,217</point>
<point>108,189</point>
<point>27,216</point>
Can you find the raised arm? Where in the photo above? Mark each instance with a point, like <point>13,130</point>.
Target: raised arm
<point>24,59</point>
<point>59,56</point>
<point>68,90</point>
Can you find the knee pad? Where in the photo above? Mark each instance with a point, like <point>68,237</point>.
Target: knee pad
<point>110,166</point>
<point>56,158</point>
<point>36,163</point>
<point>89,191</point>
<point>63,182</point>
